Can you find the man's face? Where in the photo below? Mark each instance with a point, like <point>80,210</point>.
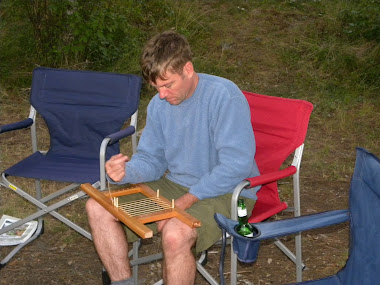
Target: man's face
<point>176,88</point>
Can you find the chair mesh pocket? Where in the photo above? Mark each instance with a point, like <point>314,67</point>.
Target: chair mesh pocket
<point>246,248</point>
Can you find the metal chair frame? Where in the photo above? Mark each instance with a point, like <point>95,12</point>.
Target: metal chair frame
<point>295,257</point>
<point>41,202</point>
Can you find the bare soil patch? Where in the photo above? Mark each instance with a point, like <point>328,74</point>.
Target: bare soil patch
<point>65,257</point>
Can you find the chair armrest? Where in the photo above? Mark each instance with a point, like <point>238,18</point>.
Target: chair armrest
<point>115,137</point>
<point>16,126</point>
<point>303,223</point>
<point>109,140</point>
<point>258,180</point>
<point>272,176</point>
<point>247,249</point>
<point>285,227</point>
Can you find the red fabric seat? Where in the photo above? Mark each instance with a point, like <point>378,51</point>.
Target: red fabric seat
<point>280,126</point>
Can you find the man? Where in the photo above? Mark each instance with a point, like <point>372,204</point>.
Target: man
<point>197,145</point>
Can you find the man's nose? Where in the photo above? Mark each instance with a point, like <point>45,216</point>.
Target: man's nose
<point>163,93</point>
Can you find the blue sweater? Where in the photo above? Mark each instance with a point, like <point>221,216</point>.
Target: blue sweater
<point>206,143</point>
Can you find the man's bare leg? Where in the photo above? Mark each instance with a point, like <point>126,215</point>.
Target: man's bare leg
<point>110,241</point>
<point>179,261</point>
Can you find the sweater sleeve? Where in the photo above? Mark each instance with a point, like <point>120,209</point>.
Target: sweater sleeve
<point>148,163</point>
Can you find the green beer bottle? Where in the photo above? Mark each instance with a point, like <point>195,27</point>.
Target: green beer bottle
<point>244,228</point>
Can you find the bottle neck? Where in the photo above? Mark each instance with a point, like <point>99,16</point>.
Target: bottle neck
<point>242,215</point>
<point>243,220</point>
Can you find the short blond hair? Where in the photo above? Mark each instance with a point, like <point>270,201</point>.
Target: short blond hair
<point>168,51</point>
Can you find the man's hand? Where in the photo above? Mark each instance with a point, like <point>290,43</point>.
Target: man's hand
<point>115,167</point>
<point>184,202</point>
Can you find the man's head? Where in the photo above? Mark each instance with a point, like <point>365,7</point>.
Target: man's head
<point>166,52</point>
<point>166,65</point>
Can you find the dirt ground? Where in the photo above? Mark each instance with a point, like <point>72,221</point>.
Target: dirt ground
<point>47,261</point>
<point>65,257</point>
<point>62,256</point>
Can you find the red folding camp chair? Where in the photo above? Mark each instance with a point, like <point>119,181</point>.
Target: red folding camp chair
<point>280,127</point>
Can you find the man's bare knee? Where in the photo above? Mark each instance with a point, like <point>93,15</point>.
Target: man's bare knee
<point>177,236</point>
<point>92,205</point>
<point>97,212</point>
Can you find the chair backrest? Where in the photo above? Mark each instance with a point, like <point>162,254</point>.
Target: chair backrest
<point>81,108</point>
<point>363,264</point>
<point>280,126</point>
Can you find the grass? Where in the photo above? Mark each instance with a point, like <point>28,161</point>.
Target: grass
<point>295,49</point>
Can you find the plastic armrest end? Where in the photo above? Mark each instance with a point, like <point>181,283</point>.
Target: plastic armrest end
<point>271,177</point>
<point>115,137</point>
<point>16,126</point>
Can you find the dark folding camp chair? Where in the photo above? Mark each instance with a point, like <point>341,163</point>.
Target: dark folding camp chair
<point>84,112</point>
<point>363,264</point>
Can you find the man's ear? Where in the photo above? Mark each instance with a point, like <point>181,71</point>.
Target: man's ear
<point>189,69</point>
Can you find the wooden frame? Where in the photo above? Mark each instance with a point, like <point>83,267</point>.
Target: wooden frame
<point>137,213</point>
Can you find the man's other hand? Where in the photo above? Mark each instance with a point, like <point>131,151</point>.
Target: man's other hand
<point>115,167</point>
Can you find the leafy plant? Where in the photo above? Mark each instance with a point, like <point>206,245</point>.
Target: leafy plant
<point>362,20</point>
<point>75,33</point>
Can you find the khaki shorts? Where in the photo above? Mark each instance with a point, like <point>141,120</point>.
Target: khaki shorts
<point>203,210</point>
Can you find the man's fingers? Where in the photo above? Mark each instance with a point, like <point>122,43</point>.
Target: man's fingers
<point>115,166</point>
<point>160,225</point>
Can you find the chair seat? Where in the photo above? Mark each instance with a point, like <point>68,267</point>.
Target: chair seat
<point>57,168</point>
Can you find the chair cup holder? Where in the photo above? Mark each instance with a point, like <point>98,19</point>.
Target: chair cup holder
<point>246,248</point>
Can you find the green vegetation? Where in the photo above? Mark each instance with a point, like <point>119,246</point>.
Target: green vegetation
<point>323,51</point>
<point>326,52</point>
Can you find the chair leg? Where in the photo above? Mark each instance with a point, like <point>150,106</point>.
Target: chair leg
<point>300,266</point>
<point>135,254</point>
<point>222,257</point>
<point>203,258</point>
<point>289,253</point>
<point>106,280</point>
<point>233,275</point>
<point>206,275</point>
<point>136,260</point>
<point>46,209</point>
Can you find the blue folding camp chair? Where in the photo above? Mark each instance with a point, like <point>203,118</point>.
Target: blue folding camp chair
<point>84,112</point>
<point>363,264</point>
